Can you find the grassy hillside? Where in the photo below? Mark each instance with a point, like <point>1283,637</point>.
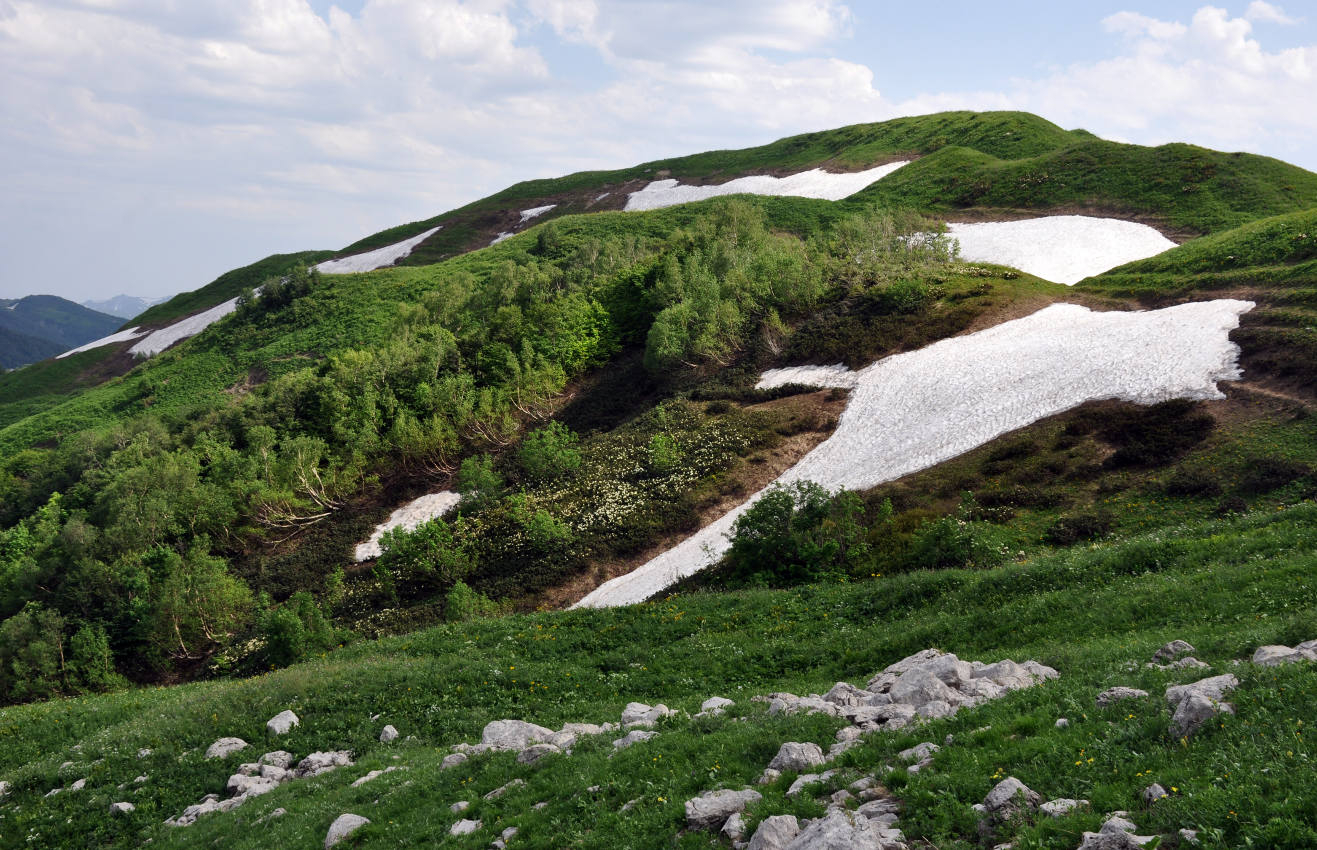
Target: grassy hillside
<point>1096,614</point>
<point>226,286</point>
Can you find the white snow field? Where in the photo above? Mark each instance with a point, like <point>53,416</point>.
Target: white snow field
<point>121,336</point>
<point>408,517</point>
<point>815,183</point>
<point>527,215</point>
<point>377,259</point>
<point>910,411</point>
<point>1060,248</point>
<point>159,340</point>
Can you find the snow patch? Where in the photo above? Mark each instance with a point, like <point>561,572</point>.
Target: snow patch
<point>527,215</point>
<point>507,234</point>
<point>911,411</point>
<point>1060,248</point>
<point>408,517</point>
<point>377,259</point>
<point>159,340</point>
<point>815,183</point>
<point>836,375</point>
<point>121,336</point>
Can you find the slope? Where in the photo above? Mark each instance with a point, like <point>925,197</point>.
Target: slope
<point>55,319</point>
<point>19,349</point>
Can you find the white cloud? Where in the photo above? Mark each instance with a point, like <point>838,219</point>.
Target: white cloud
<point>1260,10</point>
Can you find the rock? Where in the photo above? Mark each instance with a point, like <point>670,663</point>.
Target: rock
<point>712,809</point>
<point>844,693</point>
<point>278,774</point>
<point>452,760</point>
<point>282,723</point>
<point>225,747</point>
<point>639,714</point>
<point>138,781</point>
<point>464,827</point>
<point>375,774</point>
<point>1061,807</point>
<point>277,813</point>
<point>534,753</point>
<point>342,827</point>
<point>795,756</point>
<point>563,740</point>
<point>806,779</point>
<point>768,777</point>
<point>459,807</point>
<point>775,833</point>
<point>734,829</point>
<point>504,837</point>
<point>713,706</point>
<point>1153,793</point>
<point>1172,651</point>
<point>78,785</point>
<point>951,670</point>
<point>1008,800</point>
<point>143,752</point>
<point>839,831</point>
<point>513,735</point>
<point>1274,656</point>
<point>842,797</point>
<point>881,808</point>
<point>580,729</point>
<point>1006,673</point>
<point>278,758</point>
<point>503,789</point>
<point>318,763</point>
<point>1111,696</point>
<point>249,769</point>
<point>388,735</point>
<point>121,808</point>
<point>1062,723</point>
<point>1189,836</point>
<point>635,736</point>
<point>242,785</point>
<point>4,788</point>
<point>1214,688</point>
<point>840,747</point>
<point>848,733</point>
<point>918,687</point>
<point>1193,712</point>
<point>918,752</point>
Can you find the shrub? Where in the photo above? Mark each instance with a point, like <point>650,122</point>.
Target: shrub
<point>952,542</point>
<point>1156,435</point>
<point>1193,482</point>
<point>549,452</point>
<point>478,482</point>
<point>435,554</point>
<point>796,533</point>
<point>295,629</point>
<point>462,604</point>
<point>1264,474</point>
<point>1068,530</point>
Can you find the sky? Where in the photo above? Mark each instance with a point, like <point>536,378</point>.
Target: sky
<point>147,146</point>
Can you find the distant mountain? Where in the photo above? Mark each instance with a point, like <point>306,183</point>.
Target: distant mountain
<point>123,306</point>
<point>40,326</point>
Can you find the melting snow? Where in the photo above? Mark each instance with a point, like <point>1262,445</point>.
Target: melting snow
<point>507,234</point>
<point>121,336</point>
<point>527,215</point>
<point>159,340</point>
<point>377,259</point>
<point>408,517</point>
<point>911,411</point>
<point>836,375</point>
<point>815,183</point>
<point>1060,248</point>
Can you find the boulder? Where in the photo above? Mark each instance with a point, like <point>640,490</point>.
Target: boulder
<point>1062,723</point>
<point>918,752</point>
<point>513,735</point>
<point>121,808</point>
<point>1120,693</point>
<point>1214,688</point>
<point>639,714</point>
<point>579,729</point>
<point>4,788</point>
<point>1172,651</point>
<point>78,785</point>
<point>844,693</point>
<point>775,833</point>
<point>535,752</point>
<point>734,828</point>
<point>1274,656</point>
<point>459,807</point>
<point>504,837</point>
<point>278,758</point>
<point>838,830</point>
<point>1153,793</point>
<point>464,827</point>
<point>1010,797</point>
<point>919,687</point>
<point>342,827</point>
<point>225,747</point>
<point>635,736</point>
<point>768,777</point>
<point>711,809</point>
<point>807,779</point>
<point>951,670</point>
<point>452,760</point>
<point>1061,807</point>
<point>503,789</point>
<point>282,723</point>
<point>388,735</point>
<point>794,756</point>
<point>1193,712</point>
<point>318,763</point>
<point>714,705</point>
<point>1006,673</point>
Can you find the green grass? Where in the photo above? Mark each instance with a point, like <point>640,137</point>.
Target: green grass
<point>1225,586</point>
<point>226,286</point>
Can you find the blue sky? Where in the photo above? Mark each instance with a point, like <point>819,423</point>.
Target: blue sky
<point>146,146</point>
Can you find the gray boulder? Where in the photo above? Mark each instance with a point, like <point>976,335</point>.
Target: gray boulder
<point>282,723</point>
<point>121,808</point>
<point>534,753</point>
<point>844,693</point>
<point>1120,693</point>
<point>775,833</point>
<point>734,828</point>
<point>838,830</point>
<point>1275,655</point>
<point>714,705</point>
<point>452,760</point>
<point>806,779</point>
<point>635,736</point>
<point>918,752</point>
<point>1153,793</point>
<point>1172,651</point>
<point>460,806</point>
<point>342,827</point>
<point>1193,712</point>
<point>918,687</point>
<point>278,758</point>
<point>579,729</point>
<point>797,756</point>
<point>503,789</point>
<point>1062,807</point>
<point>318,763</point>
<point>1214,688</point>
<point>711,809</point>
<point>388,735</point>
<point>513,735</point>
<point>639,714</point>
<point>464,827</point>
<point>225,747</point>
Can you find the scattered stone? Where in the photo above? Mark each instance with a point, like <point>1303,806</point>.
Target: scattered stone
<point>1062,723</point>
<point>464,827</point>
<point>1062,807</point>
<point>1214,688</point>
<point>1275,655</point>
<point>1111,696</point>
<point>1189,836</point>
<point>459,807</point>
<point>635,736</point>
<point>503,789</point>
<point>1194,712</point>
<point>143,752</point>
<point>795,756</point>
<point>374,774</point>
<point>78,785</point>
<point>885,809</point>
<point>534,753</point>
<point>639,714</point>
<point>842,797</point>
<point>714,706</point>
<point>775,833</point>
<point>806,779</point>
<point>282,723</point>
<point>342,827</point>
<point>388,735</point>
<point>278,758</point>
<point>452,760</point>
<point>918,752</point>
<point>543,804</point>
<point>121,808</point>
<point>711,809</point>
<point>224,747</point>
<point>513,735</point>
<point>626,807</point>
<point>504,837</point>
<point>846,694</point>
<point>318,763</point>
<point>277,813</point>
<point>838,831</point>
<point>1153,793</point>
<point>1171,651</point>
<point>1008,800</point>
<point>734,829</point>
<point>769,776</point>
<point>579,729</point>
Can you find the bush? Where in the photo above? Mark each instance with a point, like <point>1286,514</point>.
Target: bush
<point>549,452</point>
<point>952,542</point>
<point>1265,474</point>
<point>478,482</point>
<point>1154,436</point>
<point>795,534</point>
<point>1068,530</point>
<point>1193,482</point>
<point>463,604</point>
<point>434,555</point>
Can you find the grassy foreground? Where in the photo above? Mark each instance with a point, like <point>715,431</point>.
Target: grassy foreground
<point>1094,613</point>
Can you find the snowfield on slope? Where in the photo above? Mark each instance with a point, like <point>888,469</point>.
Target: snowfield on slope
<point>911,411</point>
<point>121,336</point>
<point>815,183</point>
<point>377,259</point>
<point>1060,248</point>
<point>159,340</point>
<point>408,517</point>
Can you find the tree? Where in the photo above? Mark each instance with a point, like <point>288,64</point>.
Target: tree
<point>197,603</point>
<point>31,654</point>
<point>797,533</point>
<point>550,452</point>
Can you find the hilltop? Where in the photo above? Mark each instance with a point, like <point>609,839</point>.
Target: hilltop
<point>39,326</point>
<point>582,373</point>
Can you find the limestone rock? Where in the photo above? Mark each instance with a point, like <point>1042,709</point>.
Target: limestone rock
<point>121,808</point>
<point>343,826</point>
<point>579,729</point>
<point>1193,712</point>
<point>464,827</point>
<point>1153,793</point>
<point>711,809</point>
<point>278,758</point>
<point>1111,696</point>
<point>1062,807</point>
<point>225,747</point>
<point>282,723</point>
<point>795,756</point>
<point>1274,656</point>
<point>459,807</point>
<point>918,752</point>
<point>318,763</point>
<point>775,833</point>
<point>535,752</point>
<point>388,734</point>
<point>837,830</point>
<point>1172,651</point>
<point>452,760</point>
<point>503,789</point>
<point>844,693</point>
<point>635,736</point>
<point>714,705</point>
<point>1214,688</point>
<point>639,714</point>
<point>806,779</point>
<point>768,777</point>
<point>734,829</point>
<point>78,785</point>
<point>513,735</point>
<point>1062,723</point>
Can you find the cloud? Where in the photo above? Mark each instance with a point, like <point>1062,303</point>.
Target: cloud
<point>1259,10</point>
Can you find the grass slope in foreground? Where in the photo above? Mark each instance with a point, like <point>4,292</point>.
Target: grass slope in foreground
<point>1096,614</point>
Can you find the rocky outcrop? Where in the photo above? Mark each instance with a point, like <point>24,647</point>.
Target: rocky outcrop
<point>1193,705</point>
<point>282,723</point>
<point>775,833</point>
<point>1276,655</point>
<point>343,826</point>
<point>1120,693</point>
<point>796,756</point>
<point>710,810</point>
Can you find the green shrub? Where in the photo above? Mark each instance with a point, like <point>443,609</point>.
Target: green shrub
<point>462,604</point>
<point>295,629</point>
<point>478,482</point>
<point>1068,530</point>
<point>435,555</point>
<point>797,533</point>
<point>549,452</point>
<point>1193,482</point>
